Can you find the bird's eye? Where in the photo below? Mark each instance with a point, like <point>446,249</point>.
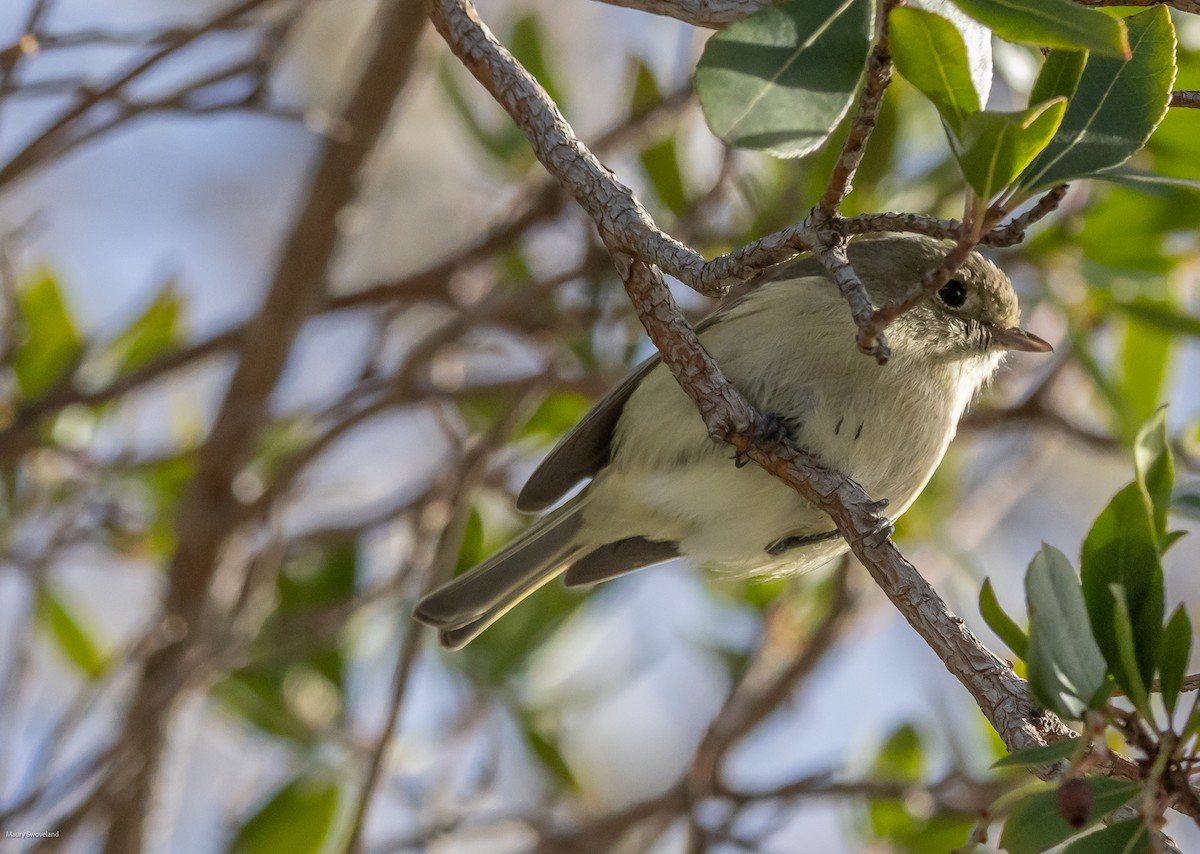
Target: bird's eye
<point>953,293</point>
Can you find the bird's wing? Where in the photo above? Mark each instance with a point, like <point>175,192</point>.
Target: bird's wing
<point>586,449</point>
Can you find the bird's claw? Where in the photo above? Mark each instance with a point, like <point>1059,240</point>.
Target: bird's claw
<point>772,427</point>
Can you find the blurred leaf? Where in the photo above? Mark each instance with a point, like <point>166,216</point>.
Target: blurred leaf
<point>547,752</point>
<point>73,639</point>
<point>660,160</point>
<point>1059,75</point>
<point>507,144</point>
<point>1034,824</point>
<point>1116,105</point>
<point>781,79</point>
<point>901,758</point>
<point>1145,354</point>
<point>1173,655</point>
<point>527,44</point>
<point>1127,651</point>
<point>929,51</point>
<point>558,412</point>
<point>993,148</point>
<point>1154,466</point>
<point>1120,550</point>
<point>50,344</point>
<point>976,38</point>
<point>497,654</point>
<point>297,819</point>
<point>471,552</point>
<point>1162,315</point>
<point>1066,670</point>
<point>154,331</point>
<point>1122,837</point>
<point>999,622</point>
<point>1051,23</point>
<point>1186,501</point>
<point>1047,754</point>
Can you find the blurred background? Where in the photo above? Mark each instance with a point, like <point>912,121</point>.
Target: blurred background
<point>169,168</point>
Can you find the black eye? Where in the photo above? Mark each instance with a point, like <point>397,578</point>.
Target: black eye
<point>953,293</point>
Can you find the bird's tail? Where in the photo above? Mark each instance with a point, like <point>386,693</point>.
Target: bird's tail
<point>461,609</point>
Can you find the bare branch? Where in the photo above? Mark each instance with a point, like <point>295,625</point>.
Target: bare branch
<point>1189,98</point>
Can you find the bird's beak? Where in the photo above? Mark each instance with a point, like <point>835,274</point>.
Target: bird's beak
<point>1019,339</point>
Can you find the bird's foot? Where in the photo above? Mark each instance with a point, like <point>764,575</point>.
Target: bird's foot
<point>772,427</point>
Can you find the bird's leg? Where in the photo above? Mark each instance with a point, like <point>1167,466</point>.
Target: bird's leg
<point>772,427</point>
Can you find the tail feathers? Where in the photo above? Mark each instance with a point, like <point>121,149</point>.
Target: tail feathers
<point>470,603</point>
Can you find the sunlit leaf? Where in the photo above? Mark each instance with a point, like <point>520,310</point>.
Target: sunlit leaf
<point>1046,754</point>
<point>929,51</point>
<point>781,79</point>
<point>993,148</point>
<point>154,331</point>
<point>1051,23</point>
<point>1123,837</point>
<point>1127,651</point>
<point>1059,75</point>
<point>74,640</point>
<point>1116,105</point>
<point>50,342</point>
<point>297,819</point>
<point>975,36</point>
<point>1173,656</point>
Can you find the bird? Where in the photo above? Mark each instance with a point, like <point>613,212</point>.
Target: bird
<point>661,487</point>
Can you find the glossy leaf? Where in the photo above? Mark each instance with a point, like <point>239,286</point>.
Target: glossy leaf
<point>975,36</point>
<point>1155,467</point>
<point>1134,685</point>
<point>1051,23</point>
<point>781,79</point>
<point>1046,754</point>
<point>69,632</point>
<point>1122,837</point>
<point>993,148</point>
<point>1066,669</point>
<point>1059,75</point>
<point>50,342</point>
<point>929,51</point>
<point>1121,550</point>
<point>999,622</point>
<point>1034,825</point>
<point>1115,108</point>
<point>1146,182</point>
<point>1173,655</point>
<point>296,820</point>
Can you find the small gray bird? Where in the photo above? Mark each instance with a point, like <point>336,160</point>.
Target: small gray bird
<point>661,487</point>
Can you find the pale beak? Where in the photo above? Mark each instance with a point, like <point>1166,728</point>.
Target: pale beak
<point>1019,339</point>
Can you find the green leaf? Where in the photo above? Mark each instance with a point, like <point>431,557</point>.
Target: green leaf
<point>1066,670</point>
<point>1059,75</point>
<point>74,640</point>
<point>527,45</point>
<point>1155,467</point>
<point>1162,315</point>
<point>155,330</point>
<point>1123,837</point>
<point>1145,354</point>
<point>1115,108</point>
<point>1046,754</point>
<point>999,622</point>
<point>298,819</point>
<point>1135,687</point>
<point>1146,182</point>
<point>931,54</point>
<point>1121,550</point>
<point>548,753</point>
<point>976,37</point>
<point>50,343</point>
<point>993,148</point>
<point>1034,825</point>
<point>660,160</point>
<point>1174,652</point>
<point>781,79</point>
<point>555,415</point>
<point>1051,23</point>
